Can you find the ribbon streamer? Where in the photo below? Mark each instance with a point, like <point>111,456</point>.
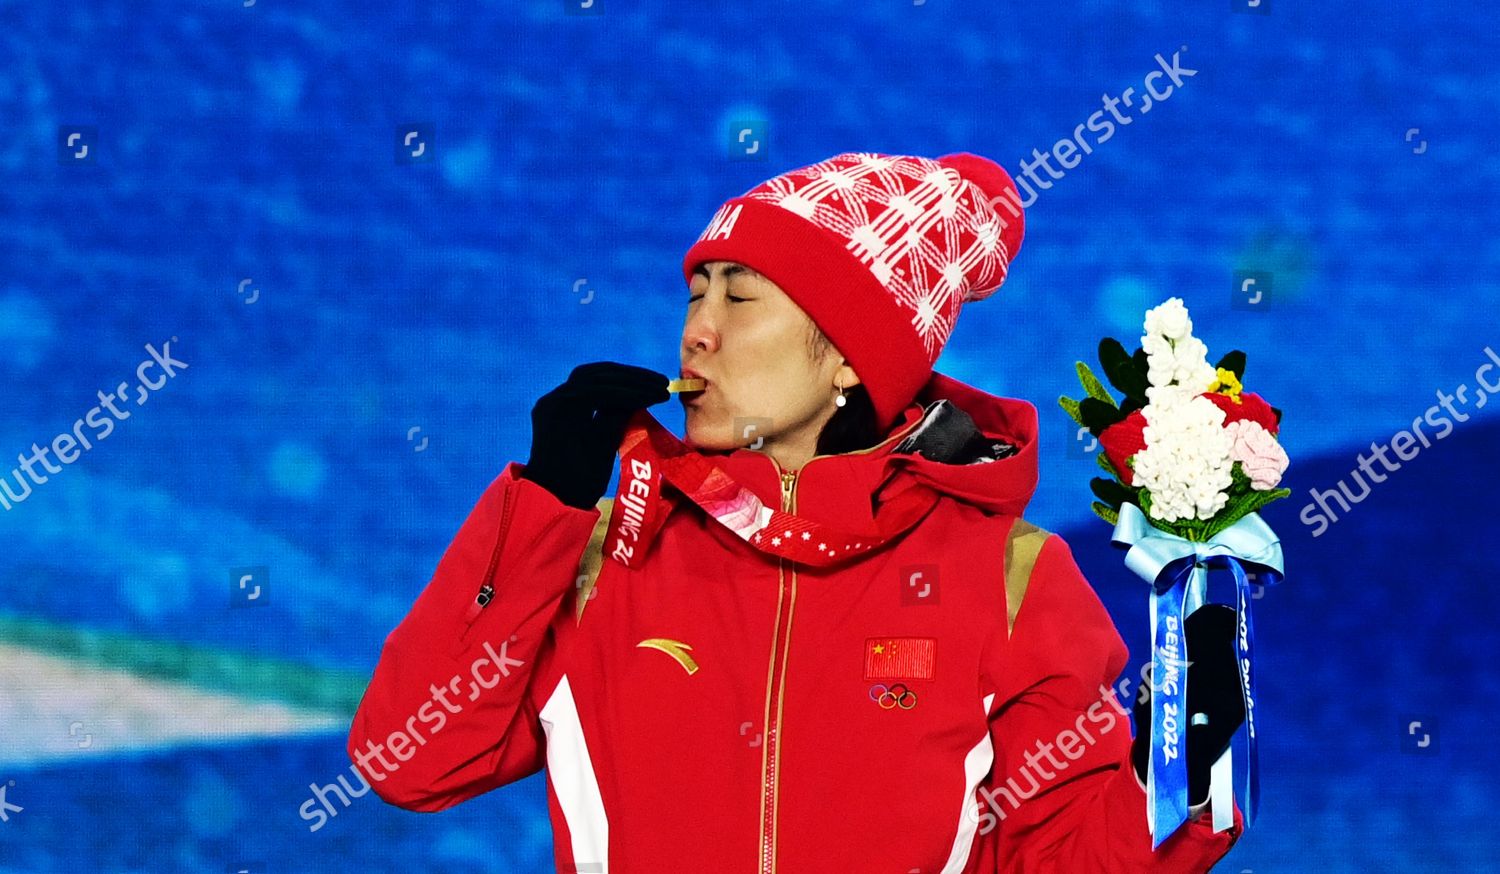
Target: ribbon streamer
<point>650,456</point>
<point>1177,569</point>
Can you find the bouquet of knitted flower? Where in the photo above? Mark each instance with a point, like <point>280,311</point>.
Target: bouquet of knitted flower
<point>1191,457</point>
<point>1187,445</point>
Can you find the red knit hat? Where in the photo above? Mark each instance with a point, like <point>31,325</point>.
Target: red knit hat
<point>880,251</point>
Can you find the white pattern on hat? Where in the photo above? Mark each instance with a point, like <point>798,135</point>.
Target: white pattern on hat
<point>930,237</point>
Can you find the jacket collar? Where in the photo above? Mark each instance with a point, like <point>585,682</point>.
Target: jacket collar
<point>962,442</point>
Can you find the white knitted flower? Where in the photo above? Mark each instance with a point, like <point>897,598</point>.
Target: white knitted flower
<point>1170,319</point>
<point>1161,361</point>
<point>1186,464</point>
<point>1173,354</point>
<point>1191,367</point>
<point>1156,344</point>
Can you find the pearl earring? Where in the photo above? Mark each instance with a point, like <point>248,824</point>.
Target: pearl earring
<point>840,400</point>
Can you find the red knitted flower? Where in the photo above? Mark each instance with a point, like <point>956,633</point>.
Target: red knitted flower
<point>1122,440</point>
<point>1251,406</point>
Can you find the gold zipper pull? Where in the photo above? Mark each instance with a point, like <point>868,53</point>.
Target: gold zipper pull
<point>787,481</point>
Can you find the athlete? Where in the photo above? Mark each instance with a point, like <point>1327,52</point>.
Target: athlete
<point>816,633</point>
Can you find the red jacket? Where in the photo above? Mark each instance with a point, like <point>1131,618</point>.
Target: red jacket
<point>940,704</point>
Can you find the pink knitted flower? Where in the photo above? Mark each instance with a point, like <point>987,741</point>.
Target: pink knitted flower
<point>1258,453</point>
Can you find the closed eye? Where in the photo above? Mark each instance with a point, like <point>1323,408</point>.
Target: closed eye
<point>730,296</point>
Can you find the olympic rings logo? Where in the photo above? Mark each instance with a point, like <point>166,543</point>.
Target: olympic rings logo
<point>893,696</point>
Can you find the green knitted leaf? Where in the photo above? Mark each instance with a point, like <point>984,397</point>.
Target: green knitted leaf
<point>1111,492</point>
<point>1243,505</point>
<point>1070,406</point>
<point>1092,385</point>
<point>1097,415</point>
<point>1121,371</point>
<point>1109,515</point>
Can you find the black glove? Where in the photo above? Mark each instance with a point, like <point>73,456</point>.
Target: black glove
<point>1213,688</point>
<point>576,428</point>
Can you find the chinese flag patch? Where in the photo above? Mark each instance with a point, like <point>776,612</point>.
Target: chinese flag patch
<point>900,658</point>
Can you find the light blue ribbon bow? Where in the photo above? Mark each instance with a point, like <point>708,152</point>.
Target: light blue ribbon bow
<point>1177,569</point>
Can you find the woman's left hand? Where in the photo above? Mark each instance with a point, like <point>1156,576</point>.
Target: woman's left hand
<point>1213,689</point>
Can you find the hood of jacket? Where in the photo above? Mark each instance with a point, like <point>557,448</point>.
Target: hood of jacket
<point>960,441</point>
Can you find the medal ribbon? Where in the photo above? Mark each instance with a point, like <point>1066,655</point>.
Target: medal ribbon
<point>650,456</point>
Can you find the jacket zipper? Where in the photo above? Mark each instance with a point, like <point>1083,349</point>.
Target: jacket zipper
<point>487,588</point>
<point>775,682</point>
<point>775,689</point>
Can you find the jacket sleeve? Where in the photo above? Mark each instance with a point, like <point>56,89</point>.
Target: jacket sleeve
<point>1062,794</point>
<point>448,714</point>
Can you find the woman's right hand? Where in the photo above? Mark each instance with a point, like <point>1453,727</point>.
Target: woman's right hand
<point>576,428</point>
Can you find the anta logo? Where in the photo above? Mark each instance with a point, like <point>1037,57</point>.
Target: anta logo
<point>674,648</point>
<point>723,224</point>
